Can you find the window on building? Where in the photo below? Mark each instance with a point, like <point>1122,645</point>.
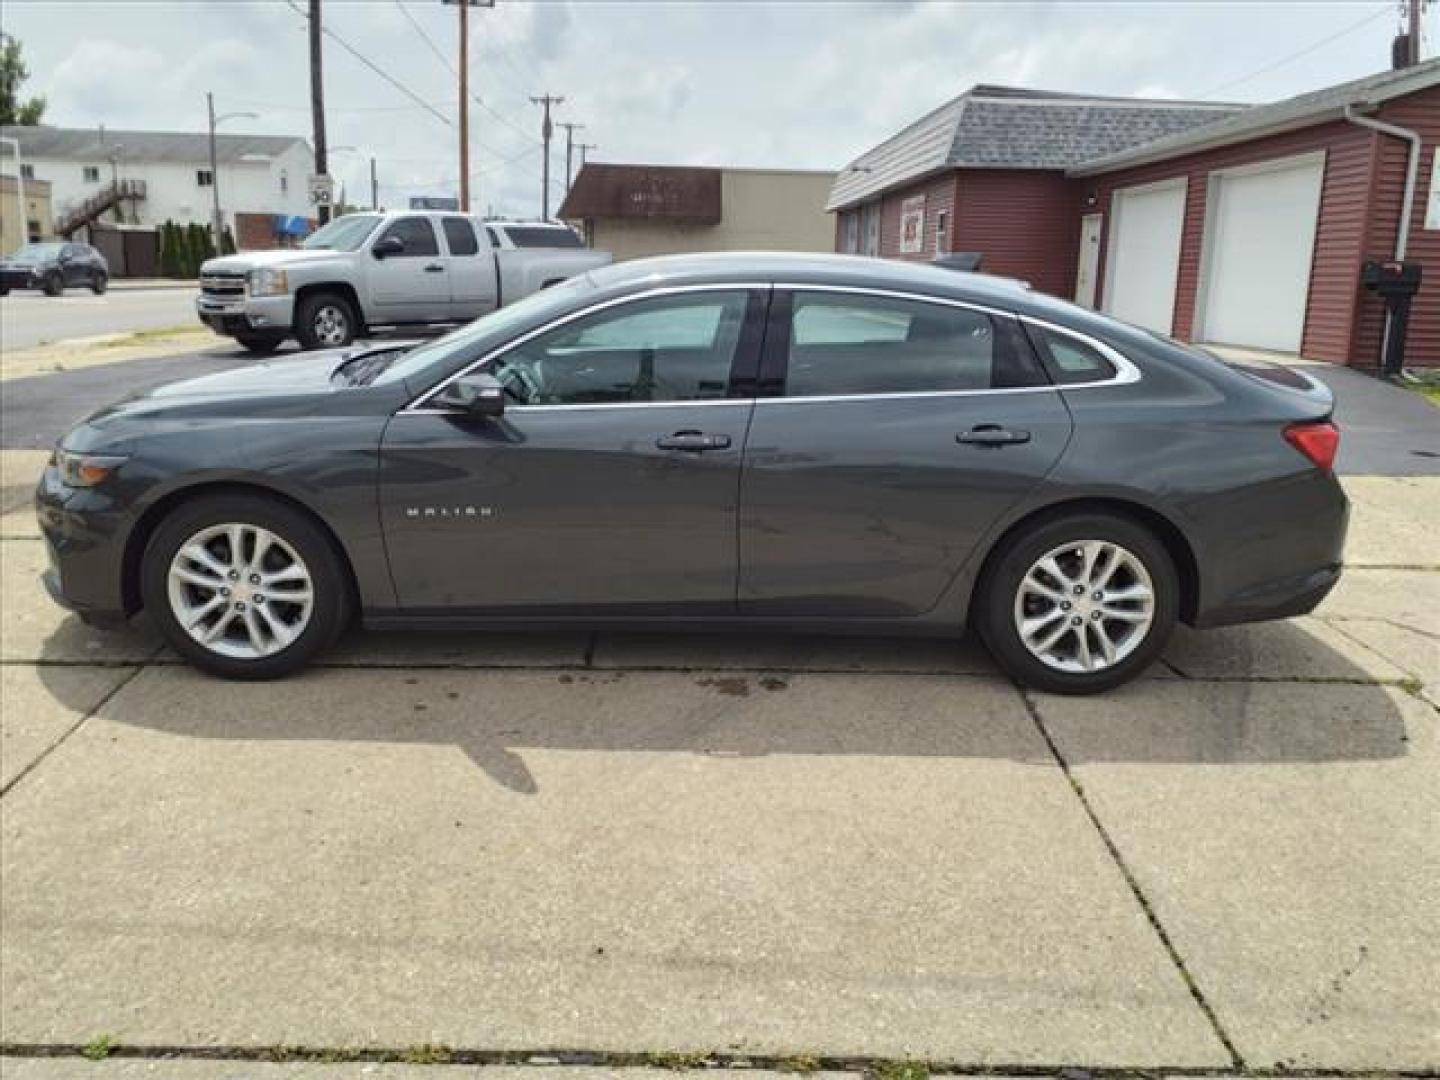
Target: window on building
<point>417,234</point>
<point>942,232</point>
<point>1071,360</point>
<point>91,174</point>
<point>460,236</point>
<point>204,177</point>
<point>674,348</point>
<point>27,172</point>
<point>857,344</point>
<point>32,230</point>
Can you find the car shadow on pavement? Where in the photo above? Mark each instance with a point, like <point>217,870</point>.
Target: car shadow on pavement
<point>495,713</point>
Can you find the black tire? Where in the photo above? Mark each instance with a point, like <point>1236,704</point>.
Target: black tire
<point>261,344</point>
<point>99,283</point>
<point>994,611</point>
<point>329,582</point>
<point>313,308</point>
<point>4,290</point>
<point>54,284</point>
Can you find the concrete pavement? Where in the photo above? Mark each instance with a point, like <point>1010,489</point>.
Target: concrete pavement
<point>647,847</point>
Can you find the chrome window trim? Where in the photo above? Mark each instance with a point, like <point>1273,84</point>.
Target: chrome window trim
<point>1126,371</point>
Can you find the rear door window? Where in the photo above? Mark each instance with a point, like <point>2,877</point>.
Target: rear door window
<point>844,344</point>
<point>460,236</point>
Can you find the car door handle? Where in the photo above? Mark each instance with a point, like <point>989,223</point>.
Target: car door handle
<point>992,435</point>
<point>693,441</point>
<point>434,268</point>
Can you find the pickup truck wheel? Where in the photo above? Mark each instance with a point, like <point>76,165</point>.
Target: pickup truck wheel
<point>325,320</point>
<point>261,344</point>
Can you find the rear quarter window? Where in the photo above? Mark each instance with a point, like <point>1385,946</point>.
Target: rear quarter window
<point>1070,360</point>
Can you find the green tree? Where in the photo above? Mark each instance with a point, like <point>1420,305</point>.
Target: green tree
<point>170,250</point>
<point>187,256</point>
<point>13,74</point>
<point>227,242</point>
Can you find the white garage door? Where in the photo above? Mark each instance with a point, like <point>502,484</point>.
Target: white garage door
<point>1258,249</point>
<point>1144,256</point>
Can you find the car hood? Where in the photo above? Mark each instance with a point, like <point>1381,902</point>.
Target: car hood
<point>23,264</point>
<point>252,260</point>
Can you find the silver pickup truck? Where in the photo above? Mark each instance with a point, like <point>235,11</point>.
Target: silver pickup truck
<point>384,269</point>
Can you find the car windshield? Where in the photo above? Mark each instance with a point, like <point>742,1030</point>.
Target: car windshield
<point>343,234</point>
<point>37,252</point>
<point>535,307</point>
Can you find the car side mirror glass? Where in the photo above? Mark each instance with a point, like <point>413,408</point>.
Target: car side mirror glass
<point>475,395</point>
<point>388,245</point>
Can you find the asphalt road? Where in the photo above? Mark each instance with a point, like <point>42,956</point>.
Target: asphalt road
<point>32,318</point>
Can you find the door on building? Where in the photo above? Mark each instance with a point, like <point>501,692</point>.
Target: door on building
<point>1089,259</point>
<point>1259,244</point>
<point>1144,257</point>
<point>870,227</point>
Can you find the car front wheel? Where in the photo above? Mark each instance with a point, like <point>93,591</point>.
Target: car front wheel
<point>1079,604</point>
<point>325,320</point>
<point>244,586</point>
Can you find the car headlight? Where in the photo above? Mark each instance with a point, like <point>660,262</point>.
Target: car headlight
<point>268,281</point>
<point>85,470</point>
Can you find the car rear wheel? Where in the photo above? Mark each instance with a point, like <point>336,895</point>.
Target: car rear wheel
<point>1079,604</point>
<point>99,282</point>
<point>326,320</point>
<point>261,344</point>
<point>244,586</point>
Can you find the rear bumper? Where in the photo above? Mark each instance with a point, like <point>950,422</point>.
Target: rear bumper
<point>252,315</point>
<point>1281,599</point>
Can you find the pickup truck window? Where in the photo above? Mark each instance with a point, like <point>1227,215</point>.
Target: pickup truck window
<point>533,236</point>
<point>343,234</point>
<point>418,235</point>
<point>460,236</point>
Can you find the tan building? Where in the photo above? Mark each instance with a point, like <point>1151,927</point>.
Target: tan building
<point>41,220</point>
<point>638,210</point>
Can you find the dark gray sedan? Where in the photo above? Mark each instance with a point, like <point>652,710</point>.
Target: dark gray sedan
<point>720,441</point>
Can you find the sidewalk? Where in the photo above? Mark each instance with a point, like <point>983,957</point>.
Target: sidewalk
<point>153,283</point>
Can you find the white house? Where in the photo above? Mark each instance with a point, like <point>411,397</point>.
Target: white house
<point>167,174</point>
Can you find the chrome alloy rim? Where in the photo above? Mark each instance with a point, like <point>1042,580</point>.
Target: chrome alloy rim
<point>331,324</point>
<point>1084,606</point>
<point>240,591</point>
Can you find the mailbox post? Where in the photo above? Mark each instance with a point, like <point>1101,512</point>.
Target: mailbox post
<point>1396,283</point>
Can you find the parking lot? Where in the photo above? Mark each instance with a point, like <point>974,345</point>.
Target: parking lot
<point>769,849</point>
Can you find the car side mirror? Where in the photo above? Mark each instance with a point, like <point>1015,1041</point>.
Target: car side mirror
<point>478,395</point>
<point>388,245</point>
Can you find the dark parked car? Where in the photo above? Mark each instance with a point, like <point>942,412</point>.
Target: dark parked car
<point>742,441</point>
<point>53,267</point>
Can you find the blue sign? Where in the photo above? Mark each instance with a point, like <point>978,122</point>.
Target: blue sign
<point>434,202</point>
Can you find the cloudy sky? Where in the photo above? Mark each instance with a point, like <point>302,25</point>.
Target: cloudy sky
<point>806,84</point>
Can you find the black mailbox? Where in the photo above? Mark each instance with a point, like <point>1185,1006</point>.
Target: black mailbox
<point>959,260</point>
<point>1396,283</point>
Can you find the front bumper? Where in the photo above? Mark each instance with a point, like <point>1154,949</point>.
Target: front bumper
<point>85,533</point>
<point>19,279</point>
<point>250,315</point>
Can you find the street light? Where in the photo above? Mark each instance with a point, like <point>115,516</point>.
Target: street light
<point>217,223</point>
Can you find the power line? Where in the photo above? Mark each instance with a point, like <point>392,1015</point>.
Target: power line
<point>427,38</point>
<point>377,69</point>
<point>1303,52</point>
<point>357,109</point>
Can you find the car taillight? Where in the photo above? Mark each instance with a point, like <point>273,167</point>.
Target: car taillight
<point>1318,441</point>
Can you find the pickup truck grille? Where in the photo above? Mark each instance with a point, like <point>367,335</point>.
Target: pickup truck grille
<point>223,286</point>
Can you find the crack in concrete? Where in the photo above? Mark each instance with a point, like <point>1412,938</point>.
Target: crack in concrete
<point>1237,1062</point>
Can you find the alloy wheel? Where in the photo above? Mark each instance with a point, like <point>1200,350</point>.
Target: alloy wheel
<point>331,325</point>
<point>240,590</point>
<point>1085,606</point>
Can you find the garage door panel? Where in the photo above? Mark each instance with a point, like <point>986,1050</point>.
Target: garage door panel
<point>1260,246</point>
<point>1144,256</point>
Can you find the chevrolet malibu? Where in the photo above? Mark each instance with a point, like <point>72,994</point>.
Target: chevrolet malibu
<point>738,441</point>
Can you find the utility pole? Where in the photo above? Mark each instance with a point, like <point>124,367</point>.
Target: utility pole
<point>317,101</point>
<point>374,188</point>
<point>1413,31</point>
<point>217,220</point>
<point>584,146</point>
<point>570,130</point>
<point>546,130</point>
<point>464,73</point>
